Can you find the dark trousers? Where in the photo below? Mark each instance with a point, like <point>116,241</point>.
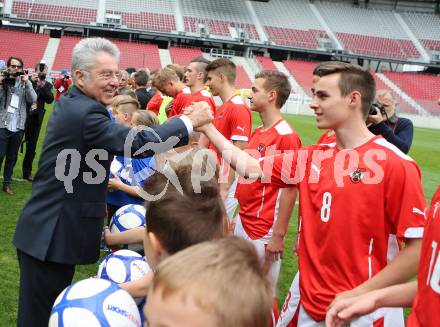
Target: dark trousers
<point>9,146</point>
<point>31,133</point>
<point>40,284</point>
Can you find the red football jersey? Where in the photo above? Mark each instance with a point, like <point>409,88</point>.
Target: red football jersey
<point>356,206</point>
<point>234,120</point>
<point>427,302</point>
<point>259,201</point>
<point>204,95</point>
<point>182,100</point>
<point>155,102</point>
<point>327,137</point>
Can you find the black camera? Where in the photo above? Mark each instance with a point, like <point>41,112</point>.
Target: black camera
<point>41,76</point>
<point>377,105</point>
<point>9,77</point>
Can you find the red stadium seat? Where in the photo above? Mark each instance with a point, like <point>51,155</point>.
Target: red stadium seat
<point>266,63</point>
<point>243,81</point>
<point>30,48</point>
<point>149,21</point>
<point>182,56</point>
<point>53,12</point>
<point>132,54</point>
<point>378,46</point>
<point>293,37</point>
<point>423,88</point>
<point>302,72</point>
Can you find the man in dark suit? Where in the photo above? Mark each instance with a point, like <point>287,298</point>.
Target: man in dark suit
<point>143,95</point>
<point>61,224</point>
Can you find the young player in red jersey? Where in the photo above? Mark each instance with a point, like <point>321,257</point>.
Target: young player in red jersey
<point>233,119</point>
<point>195,79</point>
<point>427,300</point>
<point>265,210</point>
<point>168,83</point>
<point>359,197</point>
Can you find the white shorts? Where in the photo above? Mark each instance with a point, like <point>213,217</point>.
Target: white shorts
<point>387,317</point>
<point>260,246</point>
<point>291,304</point>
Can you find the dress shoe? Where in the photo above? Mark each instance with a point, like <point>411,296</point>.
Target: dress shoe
<point>7,189</point>
<point>29,177</point>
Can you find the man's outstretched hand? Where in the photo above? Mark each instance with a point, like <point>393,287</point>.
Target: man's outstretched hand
<point>199,113</point>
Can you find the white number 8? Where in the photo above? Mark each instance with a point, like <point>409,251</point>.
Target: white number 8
<point>326,204</point>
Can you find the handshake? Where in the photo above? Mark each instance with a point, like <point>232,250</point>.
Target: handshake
<point>200,114</point>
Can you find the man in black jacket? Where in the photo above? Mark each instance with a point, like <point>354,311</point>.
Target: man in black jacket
<point>35,117</point>
<point>143,95</point>
<point>60,226</point>
<point>396,130</point>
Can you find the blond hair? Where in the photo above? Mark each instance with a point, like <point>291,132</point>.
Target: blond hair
<point>223,277</point>
<point>178,69</point>
<point>164,76</point>
<point>144,118</point>
<point>120,101</point>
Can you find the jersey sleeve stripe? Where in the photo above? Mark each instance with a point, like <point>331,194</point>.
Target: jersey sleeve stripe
<point>414,232</point>
<point>239,138</point>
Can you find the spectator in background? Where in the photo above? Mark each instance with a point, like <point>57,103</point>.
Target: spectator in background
<point>35,116</point>
<point>62,84</point>
<point>143,95</point>
<point>396,130</point>
<point>131,81</point>
<point>15,93</point>
<point>123,80</point>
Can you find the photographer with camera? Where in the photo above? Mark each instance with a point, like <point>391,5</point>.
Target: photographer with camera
<point>16,92</point>
<point>384,121</point>
<point>35,116</point>
<point>62,84</point>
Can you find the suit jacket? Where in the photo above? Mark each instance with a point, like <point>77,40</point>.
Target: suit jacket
<point>144,96</point>
<point>64,225</point>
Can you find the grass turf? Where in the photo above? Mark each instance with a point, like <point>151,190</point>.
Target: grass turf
<point>424,150</point>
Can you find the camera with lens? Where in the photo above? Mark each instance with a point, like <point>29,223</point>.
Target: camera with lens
<point>9,77</point>
<point>377,105</point>
<point>42,76</point>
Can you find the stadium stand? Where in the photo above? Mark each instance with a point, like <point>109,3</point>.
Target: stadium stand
<point>243,81</point>
<point>423,88</point>
<point>138,55</point>
<point>357,35</point>
<point>219,15</point>
<point>426,27</point>
<point>302,72</point>
<point>82,11</point>
<point>403,106</point>
<point>300,28</point>
<point>63,57</point>
<point>132,54</point>
<point>183,56</point>
<point>266,63</point>
<point>30,48</point>
<point>149,15</point>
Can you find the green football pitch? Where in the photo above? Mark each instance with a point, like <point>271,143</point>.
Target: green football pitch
<point>425,150</point>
